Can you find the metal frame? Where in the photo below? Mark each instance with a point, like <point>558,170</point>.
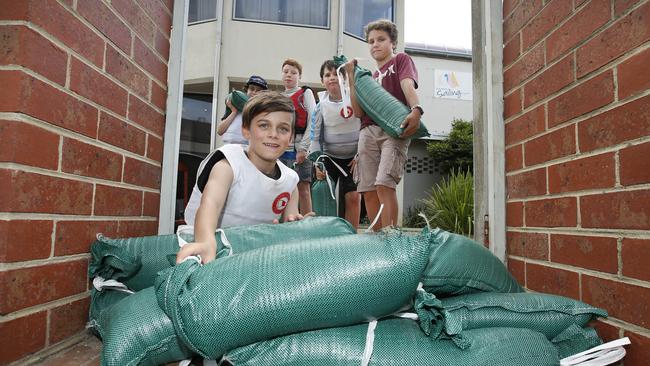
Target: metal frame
<point>171,140</point>
<point>489,156</point>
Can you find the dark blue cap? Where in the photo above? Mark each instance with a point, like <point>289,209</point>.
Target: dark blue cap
<point>257,80</point>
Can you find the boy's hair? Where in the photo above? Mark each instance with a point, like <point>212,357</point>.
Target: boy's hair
<point>383,25</point>
<point>329,65</point>
<point>267,102</point>
<point>293,63</point>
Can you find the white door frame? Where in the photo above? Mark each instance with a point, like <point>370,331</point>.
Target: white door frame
<point>489,151</point>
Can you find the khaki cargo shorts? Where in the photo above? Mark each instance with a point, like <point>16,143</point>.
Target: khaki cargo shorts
<point>381,159</point>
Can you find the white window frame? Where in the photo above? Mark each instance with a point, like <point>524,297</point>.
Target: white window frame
<point>328,26</point>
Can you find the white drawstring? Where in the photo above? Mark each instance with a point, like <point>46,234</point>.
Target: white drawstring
<point>184,229</point>
<point>225,241</point>
<point>369,229</point>
<point>344,85</point>
<point>422,215</point>
<point>333,162</point>
<point>100,284</point>
<point>370,343</point>
<point>605,354</point>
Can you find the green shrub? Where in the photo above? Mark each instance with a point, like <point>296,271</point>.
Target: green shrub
<point>450,206</point>
<point>455,151</point>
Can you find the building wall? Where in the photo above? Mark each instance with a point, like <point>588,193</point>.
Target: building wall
<point>82,108</point>
<point>577,132</point>
<point>439,112</point>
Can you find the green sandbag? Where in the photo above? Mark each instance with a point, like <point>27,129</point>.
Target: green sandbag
<point>575,339</point>
<point>322,195</point>
<point>238,100</point>
<point>383,108</point>
<point>136,331</point>
<point>459,265</point>
<point>544,313</point>
<point>397,342</point>
<point>101,301</point>
<point>282,289</point>
<point>136,261</point>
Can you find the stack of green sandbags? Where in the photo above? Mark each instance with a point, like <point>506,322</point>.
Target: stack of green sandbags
<point>383,108</point>
<point>136,261</point>
<point>396,342</point>
<point>452,317</point>
<point>289,288</point>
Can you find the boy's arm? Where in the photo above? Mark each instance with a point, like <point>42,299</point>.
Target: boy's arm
<point>412,121</point>
<point>310,106</point>
<point>315,131</point>
<point>349,72</point>
<point>223,125</point>
<point>213,199</point>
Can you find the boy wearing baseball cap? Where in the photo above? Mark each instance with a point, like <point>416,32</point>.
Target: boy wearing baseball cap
<point>230,127</point>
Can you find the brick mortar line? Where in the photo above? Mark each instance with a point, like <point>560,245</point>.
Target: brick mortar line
<point>78,97</point>
<point>86,22</point>
<point>601,233</point>
<point>590,272</point>
<point>40,262</point>
<point>24,216</point>
<point>583,193</point>
<point>155,24</point>
<point>80,57</point>
<point>572,85</point>
<point>618,323</point>
<point>78,178</point>
<point>41,307</point>
<point>619,257</point>
<point>581,155</point>
<point>583,117</point>
<point>21,117</point>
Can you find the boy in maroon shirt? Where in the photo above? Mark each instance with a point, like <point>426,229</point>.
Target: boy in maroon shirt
<point>382,158</point>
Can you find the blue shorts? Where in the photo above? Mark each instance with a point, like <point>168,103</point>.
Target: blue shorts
<point>304,170</point>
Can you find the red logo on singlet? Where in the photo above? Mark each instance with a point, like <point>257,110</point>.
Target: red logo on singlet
<point>346,112</point>
<point>280,202</point>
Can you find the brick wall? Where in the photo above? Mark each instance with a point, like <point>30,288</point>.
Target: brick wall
<point>577,131</point>
<point>82,101</point>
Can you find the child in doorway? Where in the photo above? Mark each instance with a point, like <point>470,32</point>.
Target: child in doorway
<point>238,185</point>
<point>335,132</point>
<point>230,127</point>
<point>382,158</point>
<point>304,104</point>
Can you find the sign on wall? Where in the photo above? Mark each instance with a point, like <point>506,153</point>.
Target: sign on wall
<point>452,85</point>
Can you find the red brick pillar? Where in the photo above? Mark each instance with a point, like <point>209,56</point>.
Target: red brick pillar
<point>577,132</point>
<point>82,103</point>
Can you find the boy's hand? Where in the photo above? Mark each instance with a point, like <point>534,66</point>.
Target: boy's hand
<point>320,175</point>
<point>349,67</point>
<point>207,251</point>
<point>229,105</point>
<point>411,124</point>
<point>300,157</point>
<point>296,217</point>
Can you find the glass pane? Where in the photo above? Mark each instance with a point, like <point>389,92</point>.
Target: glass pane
<point>358,13</point>
<point>202,10</point>
<point>303,12</point>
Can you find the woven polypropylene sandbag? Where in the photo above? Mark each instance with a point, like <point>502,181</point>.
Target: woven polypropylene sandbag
<point>383,108</point>
<point>575,339</point>
<point>238,100</point>
<point>459,265</point>
<point>101,301</point>
<point>136,331</point>
<point>544,313</point>
<point>136,261</point>
<point>397,342</point>
<point>283,289</point>
<point>322,195</point>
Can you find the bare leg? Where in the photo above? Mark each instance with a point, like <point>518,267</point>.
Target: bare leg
<point>353,208</point>
<point>304,196</point>
<point>372,207</point>
<point>388,197</point>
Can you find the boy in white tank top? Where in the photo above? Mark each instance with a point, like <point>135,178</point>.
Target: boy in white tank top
<point>236,186</point>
